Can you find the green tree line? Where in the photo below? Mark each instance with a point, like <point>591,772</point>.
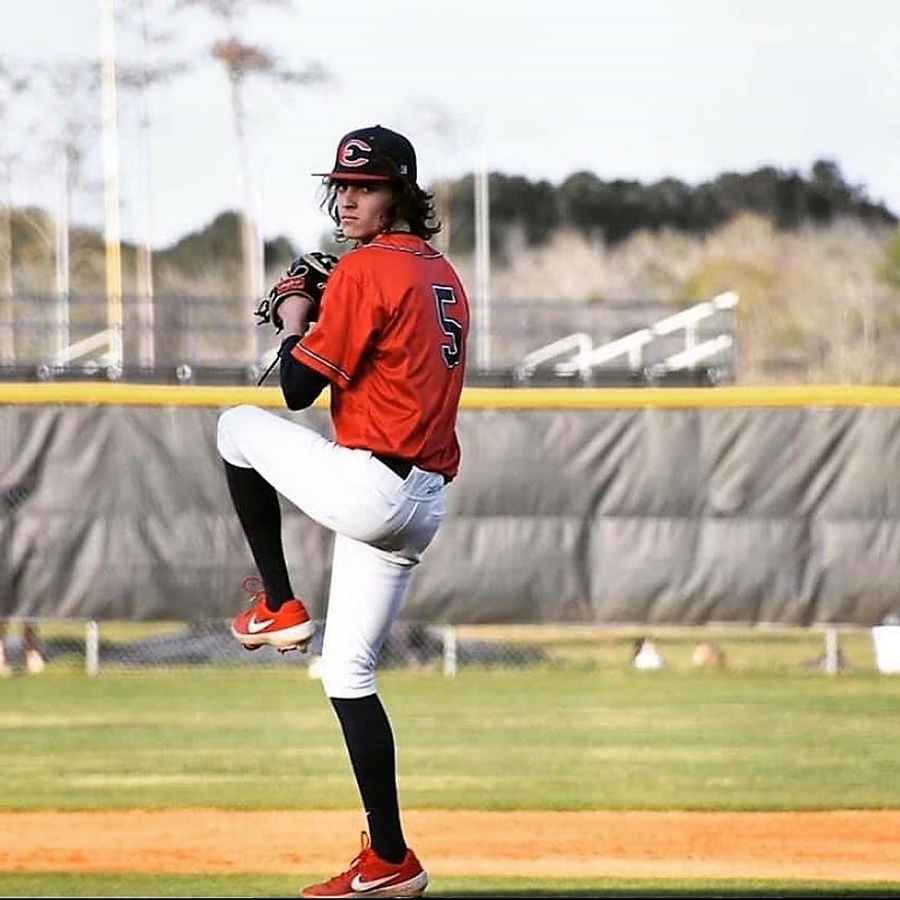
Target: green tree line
<point>524,214</point>
<point>613,211</point>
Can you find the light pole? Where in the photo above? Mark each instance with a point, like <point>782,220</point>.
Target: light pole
<point>111,183</point>
<point>482,269</point>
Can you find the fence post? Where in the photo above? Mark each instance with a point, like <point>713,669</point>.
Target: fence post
<point>832,650</point>
<point>92,648</point>
<point>450,647</point>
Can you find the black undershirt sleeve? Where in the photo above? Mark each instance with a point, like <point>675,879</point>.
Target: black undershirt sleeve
<point>300,384</point>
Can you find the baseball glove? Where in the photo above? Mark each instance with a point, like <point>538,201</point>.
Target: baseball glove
<point>306,275</point>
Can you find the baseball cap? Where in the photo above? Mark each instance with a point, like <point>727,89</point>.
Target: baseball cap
<point>373,154</point>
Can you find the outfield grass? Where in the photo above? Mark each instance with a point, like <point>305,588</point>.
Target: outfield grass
<point>542,738</point>
<point>582,731</point>
<point>92,885</point>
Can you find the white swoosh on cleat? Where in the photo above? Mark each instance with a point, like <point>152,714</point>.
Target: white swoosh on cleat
<point>359,885</point>
<point>253,626</point>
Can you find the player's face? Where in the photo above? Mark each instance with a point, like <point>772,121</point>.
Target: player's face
<point>363,207</point>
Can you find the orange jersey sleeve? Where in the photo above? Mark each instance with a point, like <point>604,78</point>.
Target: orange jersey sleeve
<point>391,338</point>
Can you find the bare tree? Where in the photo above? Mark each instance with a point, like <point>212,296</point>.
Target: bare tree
<point>150,66</point>
<point>444,126</point>
<point>13,83</point>
<point>241,60</point>
<point>68,92</point>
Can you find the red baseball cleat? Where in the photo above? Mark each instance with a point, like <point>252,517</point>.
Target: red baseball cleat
<point>288,628</point>
<point>370,876</point>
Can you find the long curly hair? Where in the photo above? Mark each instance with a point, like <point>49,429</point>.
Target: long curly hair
<point>411,204</point>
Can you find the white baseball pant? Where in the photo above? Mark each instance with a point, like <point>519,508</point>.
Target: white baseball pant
<point>382,525</point>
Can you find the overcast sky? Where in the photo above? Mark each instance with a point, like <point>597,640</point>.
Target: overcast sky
<point>645,89</point>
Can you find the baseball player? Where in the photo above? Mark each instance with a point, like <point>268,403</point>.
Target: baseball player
<point>391,319</point>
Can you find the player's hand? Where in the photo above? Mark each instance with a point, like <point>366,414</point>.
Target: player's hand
<point>305,276</point>
<point>295,313</point>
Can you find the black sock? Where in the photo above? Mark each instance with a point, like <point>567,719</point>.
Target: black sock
<point>370,744</point>
<point>256,504</point>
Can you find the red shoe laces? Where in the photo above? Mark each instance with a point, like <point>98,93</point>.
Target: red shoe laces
<point>365,852</point>
<point>253,585</point>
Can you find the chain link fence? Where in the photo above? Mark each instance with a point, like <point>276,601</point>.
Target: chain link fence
<point>181,339</point>
<point>92,647</point>
<point>95,646</point>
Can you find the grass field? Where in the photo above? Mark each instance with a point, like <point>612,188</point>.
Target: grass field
<point>581,731</point>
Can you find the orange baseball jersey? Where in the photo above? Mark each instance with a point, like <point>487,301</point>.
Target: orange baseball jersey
<point>391,339</point>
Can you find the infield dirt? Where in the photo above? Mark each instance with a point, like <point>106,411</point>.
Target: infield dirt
<point>851,846</point>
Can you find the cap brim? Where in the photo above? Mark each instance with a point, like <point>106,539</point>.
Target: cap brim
<point>351,176</point>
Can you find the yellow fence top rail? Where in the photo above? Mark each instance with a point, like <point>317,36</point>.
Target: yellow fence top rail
<point>119,394</point>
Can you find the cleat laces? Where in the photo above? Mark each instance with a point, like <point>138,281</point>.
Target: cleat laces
<point>365,853</point>
<point>253,585</point>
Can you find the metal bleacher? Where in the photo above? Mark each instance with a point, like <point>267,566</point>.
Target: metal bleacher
<point>695,345</point>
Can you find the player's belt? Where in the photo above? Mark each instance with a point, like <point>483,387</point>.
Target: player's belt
<point>398,466</point>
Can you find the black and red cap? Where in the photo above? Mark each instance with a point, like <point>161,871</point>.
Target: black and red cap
<point>373,154</point>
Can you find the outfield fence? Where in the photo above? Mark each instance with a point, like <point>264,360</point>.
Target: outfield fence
<point>93,646</point>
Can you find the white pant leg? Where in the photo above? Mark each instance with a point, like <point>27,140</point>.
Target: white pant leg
<point>367,588</point>
<point>347,491</point>
<point>368,583</point>
<point>383,525</point>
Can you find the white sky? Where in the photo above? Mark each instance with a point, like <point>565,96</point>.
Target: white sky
<point>645,89</point>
